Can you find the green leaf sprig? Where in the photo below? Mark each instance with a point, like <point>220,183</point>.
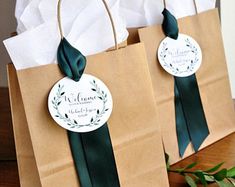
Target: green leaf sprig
<point>223,177</point>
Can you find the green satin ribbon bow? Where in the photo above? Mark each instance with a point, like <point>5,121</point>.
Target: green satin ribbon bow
<point>92,151</point>
<point>170,25</point>
<point>71,61</point>
<point>191,125</point>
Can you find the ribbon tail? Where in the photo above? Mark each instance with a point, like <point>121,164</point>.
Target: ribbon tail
<point>181,124</point>
<point>94,158</point>
<point>101,162</point>
<point>193,109</point>
<point>79,159</point>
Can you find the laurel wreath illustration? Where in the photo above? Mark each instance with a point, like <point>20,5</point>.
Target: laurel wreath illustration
<point>174,69</point>
<point>72,123</point>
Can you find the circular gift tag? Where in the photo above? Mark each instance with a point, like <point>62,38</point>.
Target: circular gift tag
<point>81,106</point>
<point>181,57</point>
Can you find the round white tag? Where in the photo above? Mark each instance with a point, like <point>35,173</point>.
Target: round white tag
<point>81,106</point>
<point>181,57</point>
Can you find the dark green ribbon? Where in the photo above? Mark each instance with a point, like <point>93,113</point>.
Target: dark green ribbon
<point>71,61</point>
<point>92,151</point>
<point>181,124</point>
<point>191,125</point>
<point>192,110</point>
<point>170,25</point>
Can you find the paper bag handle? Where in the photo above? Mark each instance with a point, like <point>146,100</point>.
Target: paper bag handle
<point>194,2</point>
<point>109,14</point>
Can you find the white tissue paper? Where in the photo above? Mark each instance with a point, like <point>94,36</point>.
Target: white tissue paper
<point>137,13</point>
<point>85,25</point>
<point>140,13</point>
<point>34,47</point>
<point>19,9</point>
<point>70,10</point>
<point>90,31</point>
<point>31,16</point>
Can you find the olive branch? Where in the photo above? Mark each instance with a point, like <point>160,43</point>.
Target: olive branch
<point>193,50</point>
<point>103,97</point>
<point>72,123</point>
<point>223,177</point>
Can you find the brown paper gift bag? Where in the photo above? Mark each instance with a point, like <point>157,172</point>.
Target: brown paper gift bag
<point>27,168</point>
<point>212,79</point>
<point>135,136</point>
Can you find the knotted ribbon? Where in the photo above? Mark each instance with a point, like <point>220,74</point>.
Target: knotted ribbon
<point>191,125</point>
<point>71,61</point>
<point>92,151</point>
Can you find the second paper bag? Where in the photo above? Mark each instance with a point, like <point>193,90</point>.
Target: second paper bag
<point>212,78</point>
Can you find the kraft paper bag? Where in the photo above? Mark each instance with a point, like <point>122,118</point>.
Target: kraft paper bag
<point>134,132</point>
<point>212,78</point>
<point>27,168</point>
<point>133,36</point>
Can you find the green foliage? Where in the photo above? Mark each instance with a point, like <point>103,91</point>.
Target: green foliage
<point>215,168</point>
<point>190,181</point>
<point>190,166</point>
<point>224,184</point>
<point>222,177</point>
<point>201,177</point>
<point>231,173</point>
